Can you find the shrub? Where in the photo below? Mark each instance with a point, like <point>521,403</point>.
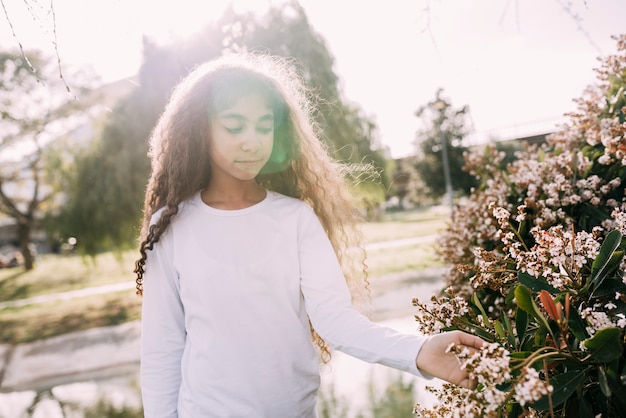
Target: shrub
<point>538,256</point>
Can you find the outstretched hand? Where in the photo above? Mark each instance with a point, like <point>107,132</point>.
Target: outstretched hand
<point>434,360</point>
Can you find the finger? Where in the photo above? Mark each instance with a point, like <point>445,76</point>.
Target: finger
<point>472,341</point>
<point>470,383</point>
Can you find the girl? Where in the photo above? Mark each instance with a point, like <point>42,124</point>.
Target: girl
<point>249,254</point>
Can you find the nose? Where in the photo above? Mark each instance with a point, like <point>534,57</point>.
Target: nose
<point>251,143</point>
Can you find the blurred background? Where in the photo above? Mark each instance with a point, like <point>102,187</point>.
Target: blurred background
<point>408,86</point>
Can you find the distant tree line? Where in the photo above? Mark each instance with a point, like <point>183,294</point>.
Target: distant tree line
<point>106,182</point>
<point>94,190</point>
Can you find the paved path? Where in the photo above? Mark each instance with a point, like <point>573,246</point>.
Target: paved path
<point>401,242</point>
<point>96,290</point>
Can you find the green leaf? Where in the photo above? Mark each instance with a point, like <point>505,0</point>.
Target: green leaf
<point>619,395</point>
<point>476,302</point>
<point>541,335</point>
<point>499,329</point>
<point>577,325</point>
<point>604,382</point>
<point>524,300</point>
<point>520,354</point>
<point>521,323</point>
<point>609,287</point>
<point>509,329</point>
<point>602,261</point>
<point>615,99</point>
<point>564,385</point>
<point>536,284</point>
<point>581,407</point>
<point>515,411</point>
<point>605,345</point>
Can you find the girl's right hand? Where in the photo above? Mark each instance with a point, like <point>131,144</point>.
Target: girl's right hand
<point>434,360</point>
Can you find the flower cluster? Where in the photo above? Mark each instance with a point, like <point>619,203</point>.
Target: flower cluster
<point>530,387</point>
<point>603,316</point>
<point>558,255</point>
<point>537,256</point>
<point>440,313</point>
<point>491,367</point>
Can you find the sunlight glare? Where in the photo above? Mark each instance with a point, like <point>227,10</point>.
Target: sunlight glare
<point>165,22</point>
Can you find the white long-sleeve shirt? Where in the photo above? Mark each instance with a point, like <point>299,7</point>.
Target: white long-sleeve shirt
<point>227,299</point>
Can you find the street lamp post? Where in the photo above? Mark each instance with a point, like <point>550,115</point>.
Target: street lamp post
<point>446,171</point>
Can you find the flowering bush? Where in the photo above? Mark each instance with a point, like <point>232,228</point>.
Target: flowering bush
<point>538,256</point>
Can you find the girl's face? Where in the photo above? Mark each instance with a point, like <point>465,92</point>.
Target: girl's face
<point>241,138</point>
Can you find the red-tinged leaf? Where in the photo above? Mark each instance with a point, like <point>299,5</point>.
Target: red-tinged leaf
<point>549,305</point>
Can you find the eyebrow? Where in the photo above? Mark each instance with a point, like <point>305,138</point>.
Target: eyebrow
<point>239,117</point>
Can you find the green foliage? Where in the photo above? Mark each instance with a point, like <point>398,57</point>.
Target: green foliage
<point>103,409</point>
<point>395,402</point>
<point>105,187</point>
<point>446,126</point>
<point>106,192</point>
<point>539,255</point>
<point>35,109</point>
<point>330,405</point>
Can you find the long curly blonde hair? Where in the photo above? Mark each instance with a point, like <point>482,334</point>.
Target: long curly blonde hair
<point>300,165</point>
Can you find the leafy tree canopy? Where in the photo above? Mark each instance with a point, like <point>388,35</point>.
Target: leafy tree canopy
<point>443,126</point>
<point>106,193</point>
<point>35,108</point>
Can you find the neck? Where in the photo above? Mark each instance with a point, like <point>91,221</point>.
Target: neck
<point>232,198</point>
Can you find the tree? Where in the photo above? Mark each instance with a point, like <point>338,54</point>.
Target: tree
<point>407,185</point>
<point>444,128</point>
<point>35,108</point>
<point>109,180</point>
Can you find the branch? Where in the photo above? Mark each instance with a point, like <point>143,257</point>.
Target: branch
<point>6,14</point>
<point>54,41</point>
<point>9,207</point>
<point>567,8</point>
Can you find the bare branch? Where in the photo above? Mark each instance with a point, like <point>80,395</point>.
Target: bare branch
<point>567,8</point>
<point>54,41</point>
<point>6,14</point>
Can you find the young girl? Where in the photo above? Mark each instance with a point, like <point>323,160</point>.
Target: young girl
<point>249,255</point>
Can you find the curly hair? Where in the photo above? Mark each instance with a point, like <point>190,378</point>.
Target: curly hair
<point>299,166</point>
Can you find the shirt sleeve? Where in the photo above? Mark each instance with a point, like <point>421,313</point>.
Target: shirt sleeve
<point>163,333</point>
<point>329,306</point>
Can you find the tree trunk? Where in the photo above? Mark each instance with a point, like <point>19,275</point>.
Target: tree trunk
<point>23,234</point>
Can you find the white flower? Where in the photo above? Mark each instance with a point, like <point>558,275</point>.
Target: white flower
<point>596,320</point>
<point>530,388</point>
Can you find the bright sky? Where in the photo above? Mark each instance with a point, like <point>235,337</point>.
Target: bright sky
<point>512,61</point>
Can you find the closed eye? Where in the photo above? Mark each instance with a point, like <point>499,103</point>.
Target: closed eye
<point>234,130</point>
<point>265,130</point>
<point>266,124</point>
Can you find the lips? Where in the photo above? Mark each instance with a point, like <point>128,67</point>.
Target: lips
<point>249,162</point>
<point>250,165</point>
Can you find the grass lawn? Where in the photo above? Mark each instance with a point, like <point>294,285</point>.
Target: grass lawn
<point>43,320</point>
<point>400,226</point>
<point>54,273</point>
<point>57,273</point>
<point>393,260</point>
